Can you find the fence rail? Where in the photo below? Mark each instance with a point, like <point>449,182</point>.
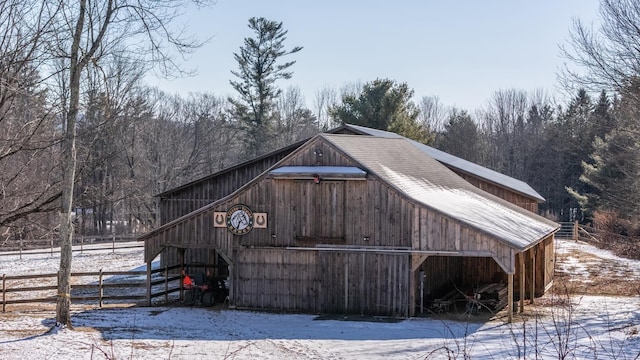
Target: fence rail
<point>79,244</point>
<point>98,287</point>
<point>122,286</point>
<point>568,230</point>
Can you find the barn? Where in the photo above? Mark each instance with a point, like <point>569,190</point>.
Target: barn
<point>345,223</point>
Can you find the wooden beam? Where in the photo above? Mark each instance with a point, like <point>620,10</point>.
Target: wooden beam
<point>532,254</point>
<point>522,282</point>
<point>181,260</point>
<point>149,283</point>
<point>510,297</point>
<point>416,261</point>
<point>346,285</point>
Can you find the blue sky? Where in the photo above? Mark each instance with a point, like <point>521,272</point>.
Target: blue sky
<point>460,51</point>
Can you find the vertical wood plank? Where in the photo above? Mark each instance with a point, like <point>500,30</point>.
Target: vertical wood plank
<point>522,281</point>
<point>510,297</point>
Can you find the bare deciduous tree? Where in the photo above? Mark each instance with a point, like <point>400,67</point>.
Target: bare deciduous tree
<point>433,114</point>
<point>608,58</point>
<point>293,121</point>
<point>89,34</point>
<point>28,187</point>
<point>325,99</point>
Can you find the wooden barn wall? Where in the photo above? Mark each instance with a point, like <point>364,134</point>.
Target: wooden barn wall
<point>549,261</point>
<point>365,283</point>
<point>435,232</point>
<point>321,282</point>
<point>276,279</point>
<point>543,256</point>
<point>203,193</point>
<point>439,274</point>
<point>268,274</point>
<point>199,194</point>
<point>481,270</point>
<point>499,191</point>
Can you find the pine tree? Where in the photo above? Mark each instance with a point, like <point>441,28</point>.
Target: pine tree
<point>258,70</point>
<point>386,105</point>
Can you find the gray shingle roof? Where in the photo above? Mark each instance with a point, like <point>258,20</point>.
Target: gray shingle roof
<point>411,171</point>
<point>459,163</point>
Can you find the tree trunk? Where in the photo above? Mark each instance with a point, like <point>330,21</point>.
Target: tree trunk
<point>63,304</point>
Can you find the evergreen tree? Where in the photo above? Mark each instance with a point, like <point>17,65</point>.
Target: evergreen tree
<point>386,105</point>
<point>258,70</point>
<point>461,137</point>
<point>611,177</point>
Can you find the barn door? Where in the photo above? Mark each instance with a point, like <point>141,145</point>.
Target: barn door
<point>364,283</point>
<point>320,212</point>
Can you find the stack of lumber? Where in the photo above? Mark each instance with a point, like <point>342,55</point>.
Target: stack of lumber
<point>493,295</point>
<point>442,304</point>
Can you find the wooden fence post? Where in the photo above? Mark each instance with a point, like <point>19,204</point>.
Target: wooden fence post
<point>166,283</point>
<point>100,289</point>
<point>21,244</point>
<point>149,283</point>
<point>4,292</point>
<point>575,230</point>
<point>81,243</point>
<point>51,246</point>
<point>113,243</point>
<point>510,297</point>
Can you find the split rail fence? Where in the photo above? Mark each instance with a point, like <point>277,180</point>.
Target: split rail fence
<point>115,287</point>
<point>79,244</point>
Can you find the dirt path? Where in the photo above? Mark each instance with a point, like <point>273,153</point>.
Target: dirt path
<point>583,269</point>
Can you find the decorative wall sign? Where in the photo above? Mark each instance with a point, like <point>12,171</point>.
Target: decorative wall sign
<point>219,219</point>
<point>260,220</point>
<point>239,219</point>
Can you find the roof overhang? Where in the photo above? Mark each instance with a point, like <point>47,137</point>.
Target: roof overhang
<point>320,172</point>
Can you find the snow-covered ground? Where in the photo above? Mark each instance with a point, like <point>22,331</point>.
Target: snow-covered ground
<point>584,327</point>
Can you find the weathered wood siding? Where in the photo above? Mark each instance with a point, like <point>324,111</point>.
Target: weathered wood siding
<point>278,267</point>
<point>365,283</point>
<point>548,262</point>
<point>193,196</point>
<point>439,273</point>
<point>205,191</point>
<point>500,191</point>
<point>431,231</point>
<point>276,279</point>
<point>321,281</point>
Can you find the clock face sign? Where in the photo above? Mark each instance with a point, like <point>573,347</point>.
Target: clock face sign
<point>239,219</point>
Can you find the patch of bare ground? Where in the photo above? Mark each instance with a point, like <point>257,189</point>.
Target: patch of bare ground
<point>579,272</point>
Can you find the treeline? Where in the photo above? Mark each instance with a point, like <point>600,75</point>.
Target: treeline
<point>134,141</point>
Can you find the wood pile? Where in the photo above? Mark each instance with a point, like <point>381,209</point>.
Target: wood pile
<point>442,304</point>
<point>494,295</point>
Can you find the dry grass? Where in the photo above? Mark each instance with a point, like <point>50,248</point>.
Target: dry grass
<point>582,273</point>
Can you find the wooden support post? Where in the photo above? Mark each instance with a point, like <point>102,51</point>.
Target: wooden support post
<point>510,297</point>
<point>346,284</point>
<point>532,254</point>
<point>100,289</point>
<point>181,260</point>
<point>575,230</point>
<point>416,265</point>
<point>166,283</point>
<point>523,278</point>
<point>149,283</point>
<point>231,286</point>
<point>4,292</point>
